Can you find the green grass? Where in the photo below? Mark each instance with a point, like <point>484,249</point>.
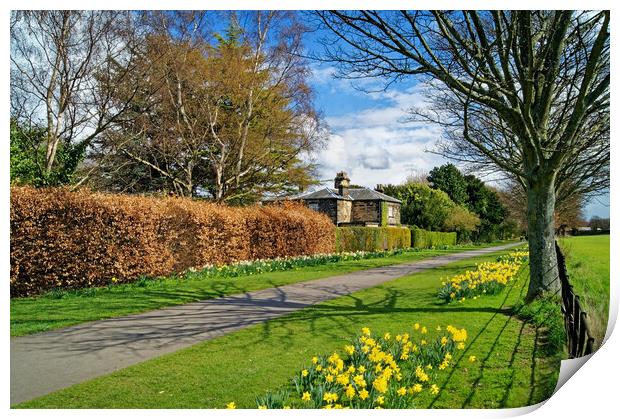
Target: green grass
<point>56,310</point>
<point>511,370</point>
<point>587,262</point>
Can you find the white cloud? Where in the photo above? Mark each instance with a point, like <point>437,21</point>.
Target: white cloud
<point>374,145</point>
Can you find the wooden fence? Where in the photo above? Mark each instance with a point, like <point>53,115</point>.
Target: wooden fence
<point>580,340</point>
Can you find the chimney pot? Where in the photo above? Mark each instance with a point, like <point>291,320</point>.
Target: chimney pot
<point>341,183</point>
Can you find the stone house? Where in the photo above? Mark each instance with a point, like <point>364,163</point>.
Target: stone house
<point>353,206</point>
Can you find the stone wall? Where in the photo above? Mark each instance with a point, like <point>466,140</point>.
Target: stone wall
<point>326,206</point>
<point>366,212</point>
<point>344,211</point>
<point>395,218</point>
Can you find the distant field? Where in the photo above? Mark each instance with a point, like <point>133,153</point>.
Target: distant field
<point>587,260</point>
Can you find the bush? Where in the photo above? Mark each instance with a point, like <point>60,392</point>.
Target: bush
<point>426,239</point>
<point>351,239</point>
<point>69,240</point>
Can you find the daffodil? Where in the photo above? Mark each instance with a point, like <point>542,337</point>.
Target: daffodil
<point>363,394</point>
<point>231,405</point>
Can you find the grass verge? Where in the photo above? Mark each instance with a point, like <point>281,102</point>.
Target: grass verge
<point>61,309</point>
<point>587,263</point>
<point>511,369</point>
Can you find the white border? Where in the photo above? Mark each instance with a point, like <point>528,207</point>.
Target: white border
<point>592,392</point>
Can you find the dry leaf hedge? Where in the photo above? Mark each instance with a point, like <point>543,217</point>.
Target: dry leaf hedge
<point>63,239</point>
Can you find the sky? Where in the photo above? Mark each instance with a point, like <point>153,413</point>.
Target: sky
<point>370,139</point>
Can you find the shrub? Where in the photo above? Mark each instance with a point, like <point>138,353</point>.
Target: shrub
<point>425,239</point>
<point>351,239</point>
<point>69,240</point>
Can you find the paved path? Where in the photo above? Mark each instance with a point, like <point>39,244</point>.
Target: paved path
<point>45,362</point>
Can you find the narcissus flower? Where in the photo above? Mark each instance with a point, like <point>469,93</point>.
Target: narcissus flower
<point>231,405</point>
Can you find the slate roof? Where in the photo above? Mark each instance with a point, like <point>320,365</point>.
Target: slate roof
<point>357,194</point>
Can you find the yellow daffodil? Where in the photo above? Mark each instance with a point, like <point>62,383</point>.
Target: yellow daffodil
<point>363,394</point>
<point>330,397</point>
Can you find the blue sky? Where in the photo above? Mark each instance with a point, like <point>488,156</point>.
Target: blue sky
<point>369,138</point>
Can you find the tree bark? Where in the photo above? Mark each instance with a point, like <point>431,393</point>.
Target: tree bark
<point>544,277</point>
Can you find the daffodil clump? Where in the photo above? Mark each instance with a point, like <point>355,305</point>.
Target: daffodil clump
<point>488,278</point>
<point>374,371</point>
<point>258,266</point>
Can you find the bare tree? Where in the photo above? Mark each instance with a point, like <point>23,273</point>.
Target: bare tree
<point>524,91</point>
<point>230,115</point>
<point>60,60</point>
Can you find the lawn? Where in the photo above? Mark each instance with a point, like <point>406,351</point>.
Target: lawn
<point>56,310</point>
<point>587,263</point>
<point>511,369</point>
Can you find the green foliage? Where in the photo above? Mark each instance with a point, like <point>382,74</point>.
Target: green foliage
<point>351,239</point>
<point>463,222</point>
<point>450,180</point>
<point>421,206</point>
<point>28,147</point>
<point>545,314</point>
<point>426,239</point>
<point>475,196</point>
<point>384,214</point>
<point>485,202</point>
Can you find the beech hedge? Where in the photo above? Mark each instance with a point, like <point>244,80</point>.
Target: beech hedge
<point>63,239</point>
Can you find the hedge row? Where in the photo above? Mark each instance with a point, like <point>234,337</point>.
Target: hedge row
<point>424,239</point>
<point>62,239</point>
<point>351,239</point>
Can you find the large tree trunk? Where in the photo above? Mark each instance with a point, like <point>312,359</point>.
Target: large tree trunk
<point>541,237</point>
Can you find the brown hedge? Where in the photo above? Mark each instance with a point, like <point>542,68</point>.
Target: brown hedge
<point>62,239</point>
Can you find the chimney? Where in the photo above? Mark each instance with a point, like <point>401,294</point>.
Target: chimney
<point>342,183</point>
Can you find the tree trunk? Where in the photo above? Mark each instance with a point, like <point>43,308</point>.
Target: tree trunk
<point>544,277</point>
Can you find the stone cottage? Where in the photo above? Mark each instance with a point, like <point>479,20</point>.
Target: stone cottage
<point>353,206</point>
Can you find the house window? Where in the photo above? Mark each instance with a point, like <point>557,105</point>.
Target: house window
<point>390,212</point>
<point>313,206</point>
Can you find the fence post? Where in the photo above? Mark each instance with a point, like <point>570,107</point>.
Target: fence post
<point>579,338</point>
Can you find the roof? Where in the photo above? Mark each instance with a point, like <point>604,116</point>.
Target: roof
<point>367,194</point>
<point>357,194</point>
